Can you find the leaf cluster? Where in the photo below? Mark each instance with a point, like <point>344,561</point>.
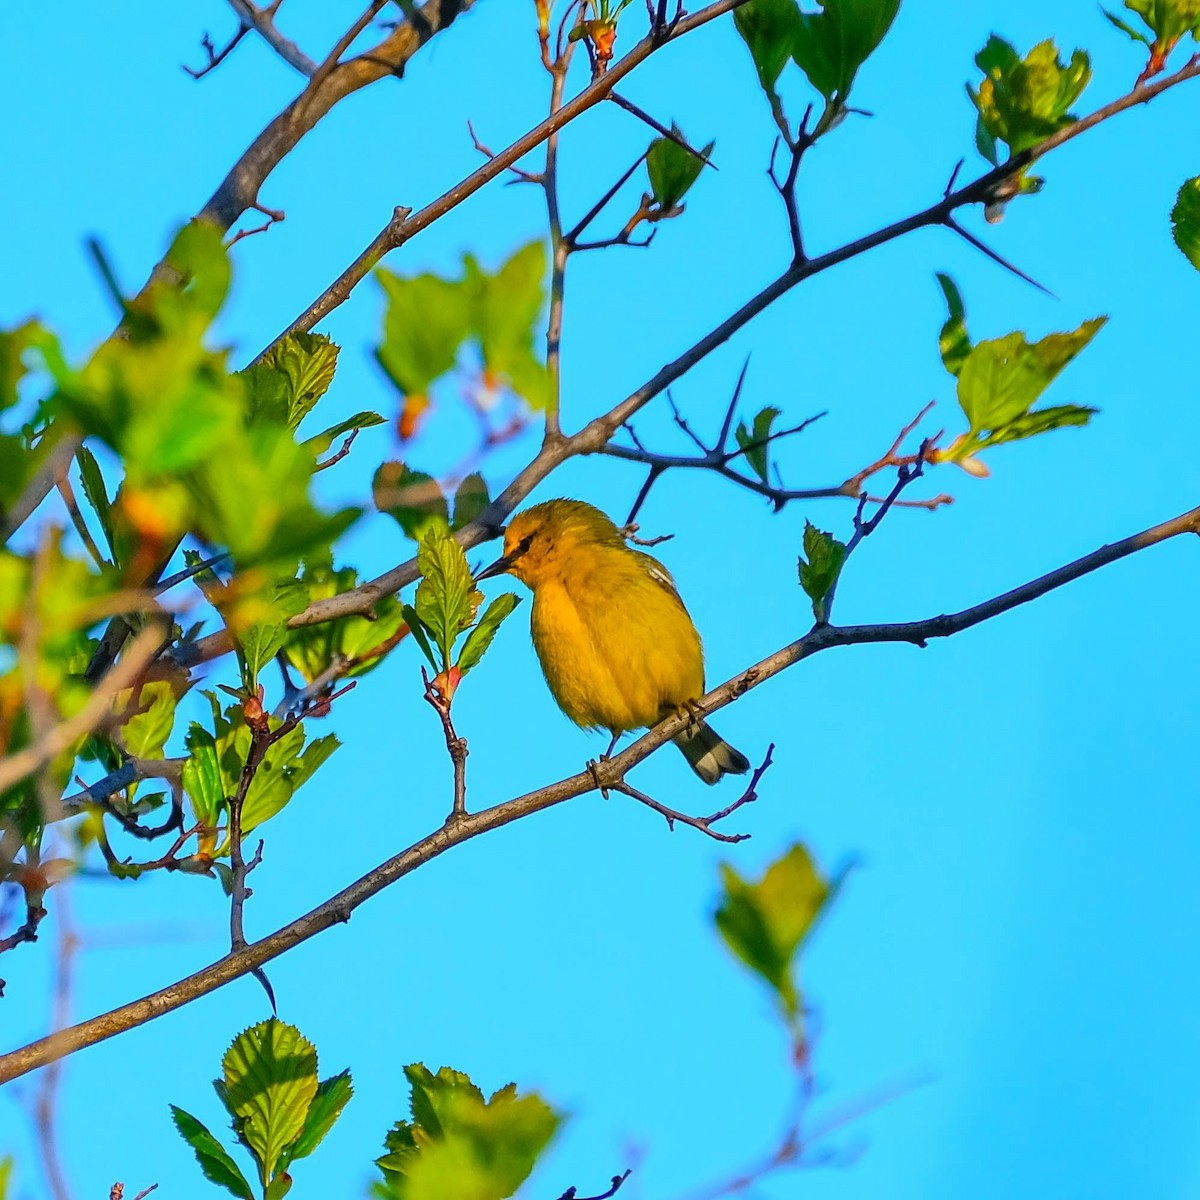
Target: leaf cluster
<point>829,45</point>
<point>279,1110</point>
<point>1000,380</point>
<point>1022,101</point>
<point>217,758</point>
<point>459,1144</point>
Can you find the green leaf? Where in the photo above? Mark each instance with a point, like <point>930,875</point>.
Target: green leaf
<point>766,923</point>
<point>480,638</point>
<point>199,258</point>
<point>825,556</point>
<point>461,1146</point>
<point>770,29</point>
<point>289,379</point>
<point>446,596</point>
<point>332,1095</point>
<point>673,170</point>
<point>270,1080</point>
<point>280,775</point>
<point>1041,420</point>
<point>96,493</point>
<point>426,321</point>
<point>361,640</point>
<point>833,43</point>
<point>753,441</point>
<point>1126,28</point>
<point>214,1161</point>
<point>470,499</point>
<point>145,734</point>
<point>203,780</point>
<point>321,442</point>
<point>258,640</point>
<point>1168,20</point>
<point>412,498</point>
<point>1001,379</point>
<point>1023,101</point>
<point>953,341</point>
<point>1185,221</point>
<point>504,311</point>
<point>421,635</point>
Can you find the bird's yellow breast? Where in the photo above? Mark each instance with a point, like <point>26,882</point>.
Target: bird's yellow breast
<point>616,645</point>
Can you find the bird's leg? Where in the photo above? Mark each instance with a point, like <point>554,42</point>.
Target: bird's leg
<point>593,768</point>
<point>616,737</point>
<point>695,714</point>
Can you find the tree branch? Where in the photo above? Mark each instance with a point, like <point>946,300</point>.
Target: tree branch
<point>606,773</point>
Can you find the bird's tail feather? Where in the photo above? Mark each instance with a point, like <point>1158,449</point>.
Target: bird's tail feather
<point>709,754</point>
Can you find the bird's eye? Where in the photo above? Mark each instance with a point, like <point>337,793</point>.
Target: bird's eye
<point>525,543</point>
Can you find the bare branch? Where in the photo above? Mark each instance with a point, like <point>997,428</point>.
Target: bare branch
<point>216,57</point>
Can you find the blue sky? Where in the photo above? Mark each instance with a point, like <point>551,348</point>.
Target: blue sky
<point>1020,800</point>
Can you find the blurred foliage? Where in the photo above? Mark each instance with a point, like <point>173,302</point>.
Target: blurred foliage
<point>1185,221</point>
<point>457,1144</point>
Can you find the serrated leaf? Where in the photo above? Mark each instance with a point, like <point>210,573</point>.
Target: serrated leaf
<point>953,341</point>
<point>766,923</point>
<point>769,28</point>
<point>1002,378</point>
<point>203,781</point>
<point>214,1160</point>
<point>460,1145</point>
<point>1022,101</point>
<point>753,441</point>
<point>446,596</point>
<point>1041,420</point>
<point>470,499</point>
<point>270,1080</point>
<point>672,170</point>
<point>412,498</point>
<point>289,379</point>
<point>332,1095</point>
<point>480,638</point>
<point>321,442</point>
<point>285,768</point>
<point>1185,221</point>
<point>820,566</point>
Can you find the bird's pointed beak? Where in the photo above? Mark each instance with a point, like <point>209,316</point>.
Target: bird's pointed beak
<point>499,567</point>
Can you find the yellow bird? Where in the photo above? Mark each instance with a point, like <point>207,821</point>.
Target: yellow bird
<point>617,647</point>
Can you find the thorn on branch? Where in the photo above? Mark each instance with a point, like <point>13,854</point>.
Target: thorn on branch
<point>672,135</point>
<point>216,57</point>
<point>984,248</point>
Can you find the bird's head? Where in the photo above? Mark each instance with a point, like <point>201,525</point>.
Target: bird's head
<point>539,541</point>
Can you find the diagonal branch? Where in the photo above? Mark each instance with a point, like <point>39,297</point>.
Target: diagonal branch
<point>606,773</point>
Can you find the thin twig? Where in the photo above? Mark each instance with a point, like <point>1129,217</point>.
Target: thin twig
<point>216,57</point>
<point>456,746</point>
